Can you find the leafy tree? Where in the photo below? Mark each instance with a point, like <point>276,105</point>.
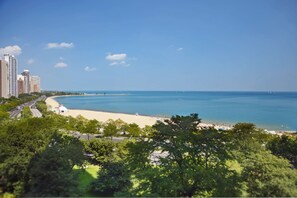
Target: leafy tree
<point>134,130</point>
<point>13,102</point>
<point>269,176</point>
<point>26,112</point>
<point>113,178</point>
<point>119,123</point>
<point>92,126</point>
<point>51,171</point>
<point>264,174</point>
<point>71,123</point>
<point>121,150</point>
<point>110,130</point>
<point>180,160</point>
<point>102,150</point>
<point>247,138</point>
<point>284,146</point>
<point>80,123</point>
<point>19,142</point>
<point>148,131</point>
<point>3,115</point>
<point>41,106</point>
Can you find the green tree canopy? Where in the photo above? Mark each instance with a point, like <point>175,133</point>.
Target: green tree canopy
<point>269,176</point>
<point>92,126</point>
<point>134,130</point>
<point>180,160</point>
<point>113,178</point>
<point>19,142</point>
<point>51,171</point>
<point>26,112</point>
<point>101,149</point>
<point>284,146</point>
<point>110,130</point>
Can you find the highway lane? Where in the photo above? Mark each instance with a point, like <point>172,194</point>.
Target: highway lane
<point>16,111</point>
<point>36,113</point>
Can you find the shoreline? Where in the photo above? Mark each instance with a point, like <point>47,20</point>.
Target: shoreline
<point>103,116</point>
<point>140,119</point>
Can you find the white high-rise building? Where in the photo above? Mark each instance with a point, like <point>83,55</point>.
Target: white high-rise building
<point>12,75</point>
<point>26,75</point>
<point>3,79</point>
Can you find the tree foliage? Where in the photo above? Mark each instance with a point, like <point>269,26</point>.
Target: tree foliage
<point>284,146</point>
<point>134,130</point>
<point>113,178</point>
<point>269,176</point>
<point>51,171</point>
<point>7,104</point>
<point>41,106</point>
<point>174,158</point>
<point>27,140</point>
<point>19,142</point>
<point>110,130</point>
<point>102,150</point>
<point>92,127</point>
<point>26,112</point>
<point>189,161</point>
<point>263,173</point>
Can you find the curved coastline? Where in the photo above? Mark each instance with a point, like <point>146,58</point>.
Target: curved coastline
<point>103,116</point>
<point>141,120</point>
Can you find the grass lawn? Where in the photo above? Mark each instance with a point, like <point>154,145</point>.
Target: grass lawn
<point>86,176</point>
<point>8,195</point>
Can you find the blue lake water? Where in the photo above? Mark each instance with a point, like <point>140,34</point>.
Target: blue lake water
<point>270,110</point>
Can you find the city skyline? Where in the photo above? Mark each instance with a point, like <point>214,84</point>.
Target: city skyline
<point>14,84</point>
<point>152,45</point>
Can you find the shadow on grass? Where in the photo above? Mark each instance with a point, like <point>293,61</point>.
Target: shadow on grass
<point>86,176</point>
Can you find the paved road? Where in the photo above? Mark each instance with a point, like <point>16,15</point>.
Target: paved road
<point>35,112</point>
<point>91,136</point>
<point>16,111</point>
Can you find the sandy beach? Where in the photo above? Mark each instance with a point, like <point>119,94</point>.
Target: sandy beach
<point>101,116</point>
<point>141,120</point>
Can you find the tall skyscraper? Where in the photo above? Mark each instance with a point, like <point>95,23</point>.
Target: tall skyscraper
<point>26,75</point>
<point>3,79</point>
<point>35,83</point>
<point>12,75</point>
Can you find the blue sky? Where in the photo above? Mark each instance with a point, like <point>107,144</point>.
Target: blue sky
<point>154,45</point>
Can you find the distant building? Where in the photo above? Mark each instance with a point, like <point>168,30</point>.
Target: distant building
<point>26,87</point>
<point>20,84</point>
<point>12,75</point>
<point>35,83</point>
<point>3,79</point>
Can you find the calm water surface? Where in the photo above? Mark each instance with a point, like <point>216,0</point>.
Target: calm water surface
<point>270,110</point>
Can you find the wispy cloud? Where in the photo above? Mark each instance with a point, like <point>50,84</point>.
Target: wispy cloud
<point>123,63</point>
<point>89,69</point>
<point>60,65</point>
<point>179,49</point>
<point>30,61</point>
<point>11,49</point>
<point>117,59</point>
<point>59,45</point>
